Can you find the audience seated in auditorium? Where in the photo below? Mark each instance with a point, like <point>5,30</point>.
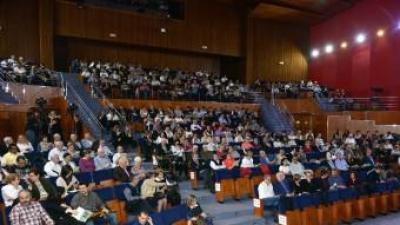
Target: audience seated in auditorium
<point>18,70</point>
<point>134,81</point>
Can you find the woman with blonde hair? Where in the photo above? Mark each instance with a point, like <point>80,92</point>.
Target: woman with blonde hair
<point>195,215</point>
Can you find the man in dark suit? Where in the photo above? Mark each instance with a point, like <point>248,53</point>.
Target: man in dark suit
<point>282,185</point>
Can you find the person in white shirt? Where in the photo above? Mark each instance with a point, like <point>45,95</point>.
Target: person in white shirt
<point>295,167</point>
<point>216,163</point>
<point>119,154</point>
<point>24,145</point>
<point>247,161</point>
<point>11,190</point>
<point>53,167</point>
<point>57,150</point>
<point>266,188</point>
<point>284,167</point>
<point>67,181</point>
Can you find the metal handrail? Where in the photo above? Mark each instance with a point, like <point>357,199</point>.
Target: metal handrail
<point>81,103</point>
<point>109,105</point>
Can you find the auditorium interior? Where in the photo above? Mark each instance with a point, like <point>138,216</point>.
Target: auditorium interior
<point>199,112</point>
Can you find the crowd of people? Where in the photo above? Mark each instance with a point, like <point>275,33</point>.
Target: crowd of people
<point>134,81</point>
<point>14,69</point>
<point>288,89</point>
<point>177,141</point>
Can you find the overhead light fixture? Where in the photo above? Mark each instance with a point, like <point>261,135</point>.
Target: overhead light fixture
<point>315,53</point>
<point>163,30</point>
<point>343,44</point>
<point>380,33</point>
<point>112,35</point>
<point>329,48</point>
<point>204,47</point>
<point>360,38</point>
<point>281,63</point>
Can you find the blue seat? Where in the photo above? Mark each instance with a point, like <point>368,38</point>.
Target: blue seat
<point>119,191</point>
<point>102,175</point>
<point>84,177</point>
<point>106,194</point>
<point>174,214</point>
<point>222,174</point>
<point>332,196</point>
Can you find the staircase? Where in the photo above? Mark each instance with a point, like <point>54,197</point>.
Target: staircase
<point>7,98</point>
<point>88,108</point>
<point>274,119</point>
<point>324,103</point>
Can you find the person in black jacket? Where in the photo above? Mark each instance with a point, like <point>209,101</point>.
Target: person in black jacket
<point>310,184</point>
<point>46,193</point>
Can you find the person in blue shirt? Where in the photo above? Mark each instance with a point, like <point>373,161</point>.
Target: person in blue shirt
<point>283,186</point>
<point>336,181</point>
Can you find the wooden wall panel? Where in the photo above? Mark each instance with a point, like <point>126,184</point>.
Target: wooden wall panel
<point>70,49</point>
<point>46,36</point>
<point>345,122</point>
<point>306,105</point>
<point>274,42</point>
<point>19,34</point>
<point>207,22</point>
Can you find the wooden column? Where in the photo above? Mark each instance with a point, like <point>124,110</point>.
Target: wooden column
<point>46,32</point>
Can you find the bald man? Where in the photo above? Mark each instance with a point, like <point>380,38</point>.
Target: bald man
<point>28,212</point>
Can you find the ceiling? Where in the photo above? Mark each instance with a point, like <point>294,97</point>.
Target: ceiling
<point>294,11</point>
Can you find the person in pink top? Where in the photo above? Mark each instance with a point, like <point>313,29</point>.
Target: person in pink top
<point>86,163</point>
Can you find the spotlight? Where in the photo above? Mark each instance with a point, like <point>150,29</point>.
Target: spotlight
<point>329,48</point>
<point>380,33</point>
<point>343,45</point>
<point>360,38</point>
<point>315,53</point>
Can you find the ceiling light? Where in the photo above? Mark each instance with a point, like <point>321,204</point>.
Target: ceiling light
<point>343,44</point>
<point>163,30</point>
<point>380,33</point>
<point>204,47</point>
<point>360,38</point>
<point>329,48</point>
<point>315,53</point>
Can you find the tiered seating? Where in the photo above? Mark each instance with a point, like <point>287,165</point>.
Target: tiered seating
<point>336,206</point>
<point>229,184</point>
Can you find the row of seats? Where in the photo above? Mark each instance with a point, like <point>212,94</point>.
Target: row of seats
<point>336,206</point>
<point>229,183</point>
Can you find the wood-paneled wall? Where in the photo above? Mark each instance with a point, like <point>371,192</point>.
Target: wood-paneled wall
<point>19,34</point>
<point>207,22</point>
<point>71,48</point>
<point>345,122</point>
<point>303,105</point>
<point>268,44</point>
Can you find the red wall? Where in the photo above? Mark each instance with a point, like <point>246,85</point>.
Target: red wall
<point>375,63</point>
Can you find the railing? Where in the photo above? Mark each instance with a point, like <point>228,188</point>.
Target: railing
<point>389,103</point>
<point>91,117</point>
<point>96,92</point>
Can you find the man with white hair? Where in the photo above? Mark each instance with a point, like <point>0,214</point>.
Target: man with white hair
<point>7,141</point>
<point>101,161</point>
<point>53,167</point>
<point>57,150</point>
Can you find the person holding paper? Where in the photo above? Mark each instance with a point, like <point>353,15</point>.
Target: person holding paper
<point>91,202</point>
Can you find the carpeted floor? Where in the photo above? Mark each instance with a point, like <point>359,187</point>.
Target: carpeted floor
<point>391,219</point>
